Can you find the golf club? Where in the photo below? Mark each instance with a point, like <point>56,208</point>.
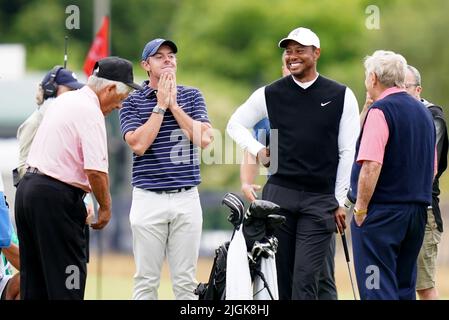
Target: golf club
<point>345,248</point>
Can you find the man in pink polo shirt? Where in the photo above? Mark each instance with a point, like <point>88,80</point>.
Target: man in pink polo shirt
<point>67,159</point>
<point>391,183</point>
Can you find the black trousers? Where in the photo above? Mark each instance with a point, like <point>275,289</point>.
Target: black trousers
<point>50,217</point>
<point>305,240</point>
<point>327,290</point>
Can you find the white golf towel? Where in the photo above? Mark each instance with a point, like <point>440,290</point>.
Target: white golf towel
<point>268,268</point>
<point>238,278</point>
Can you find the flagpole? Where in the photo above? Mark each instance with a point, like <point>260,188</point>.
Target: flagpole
<point>101,9</point>
<point>66,39</point>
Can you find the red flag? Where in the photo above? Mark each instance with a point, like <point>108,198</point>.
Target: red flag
<point>99,48</point>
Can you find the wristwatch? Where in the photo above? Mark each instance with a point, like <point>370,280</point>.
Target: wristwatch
<point>158,110</point>
<point>358,212</point>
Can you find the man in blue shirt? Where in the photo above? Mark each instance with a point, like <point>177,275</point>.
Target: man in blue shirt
<point>9,284</point>
<point>164,124</point>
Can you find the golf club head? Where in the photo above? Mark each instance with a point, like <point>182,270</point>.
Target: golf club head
<point>274,221</point>
<point>260,221</point>
<point>262,209</point>
<point>235,204</point>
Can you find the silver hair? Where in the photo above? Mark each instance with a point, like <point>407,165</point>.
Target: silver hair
<point>416,74</point>
<point>388,66</point>
<point>40,95</point>
<point>98,83</point>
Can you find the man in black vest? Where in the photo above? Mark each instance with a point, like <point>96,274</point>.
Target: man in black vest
<point>425,282</point>
<point>314,125</point>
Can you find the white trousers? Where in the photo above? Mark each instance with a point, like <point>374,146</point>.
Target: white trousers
<point>165,225</point>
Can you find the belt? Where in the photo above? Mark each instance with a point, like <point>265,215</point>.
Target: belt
<point>172,190</point>
<point>34,171</point>
<point>80,191</point>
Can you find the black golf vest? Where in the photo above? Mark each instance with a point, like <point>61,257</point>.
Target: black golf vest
<point>308,122</point>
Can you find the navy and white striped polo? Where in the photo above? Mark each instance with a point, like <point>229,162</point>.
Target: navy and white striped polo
<point>172,161</point>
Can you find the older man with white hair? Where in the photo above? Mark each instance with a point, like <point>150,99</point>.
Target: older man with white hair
<point>67,159</point>
<point>391,181</point>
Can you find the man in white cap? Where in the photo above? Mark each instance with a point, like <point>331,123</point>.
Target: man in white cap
<point>317,123</point>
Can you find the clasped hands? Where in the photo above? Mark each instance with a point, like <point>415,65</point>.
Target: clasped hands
<point>167,91</point>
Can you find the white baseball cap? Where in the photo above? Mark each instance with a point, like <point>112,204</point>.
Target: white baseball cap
<point>303,36</point>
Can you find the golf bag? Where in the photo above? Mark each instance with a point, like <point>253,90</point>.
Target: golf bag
<point>253,237</point>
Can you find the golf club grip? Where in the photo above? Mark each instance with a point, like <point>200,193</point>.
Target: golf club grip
<point>345,246</point>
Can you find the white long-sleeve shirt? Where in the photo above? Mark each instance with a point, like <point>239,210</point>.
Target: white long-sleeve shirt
<point>255,109</point>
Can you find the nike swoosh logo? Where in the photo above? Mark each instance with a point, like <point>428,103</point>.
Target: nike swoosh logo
<point>326,103</point>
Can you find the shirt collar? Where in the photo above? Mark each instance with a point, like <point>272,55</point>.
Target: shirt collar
<point>307,84</point>
<point>389,91</point>
<point>91,94</point>
<point>147,90</point>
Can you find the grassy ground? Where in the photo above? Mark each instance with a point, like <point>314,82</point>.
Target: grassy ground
<point>116,281</point>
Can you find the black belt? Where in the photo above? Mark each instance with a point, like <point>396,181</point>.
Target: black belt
<point>34,170</point>
<point>80,191</point>
<point>172,190</point>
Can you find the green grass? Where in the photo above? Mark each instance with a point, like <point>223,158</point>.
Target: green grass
<point>119,288</point>
<point>116,282</point>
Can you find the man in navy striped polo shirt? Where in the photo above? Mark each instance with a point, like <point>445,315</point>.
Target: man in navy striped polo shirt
<point>164,124</point>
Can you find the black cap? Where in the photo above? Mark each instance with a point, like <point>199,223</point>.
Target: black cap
<point>116,69</point>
